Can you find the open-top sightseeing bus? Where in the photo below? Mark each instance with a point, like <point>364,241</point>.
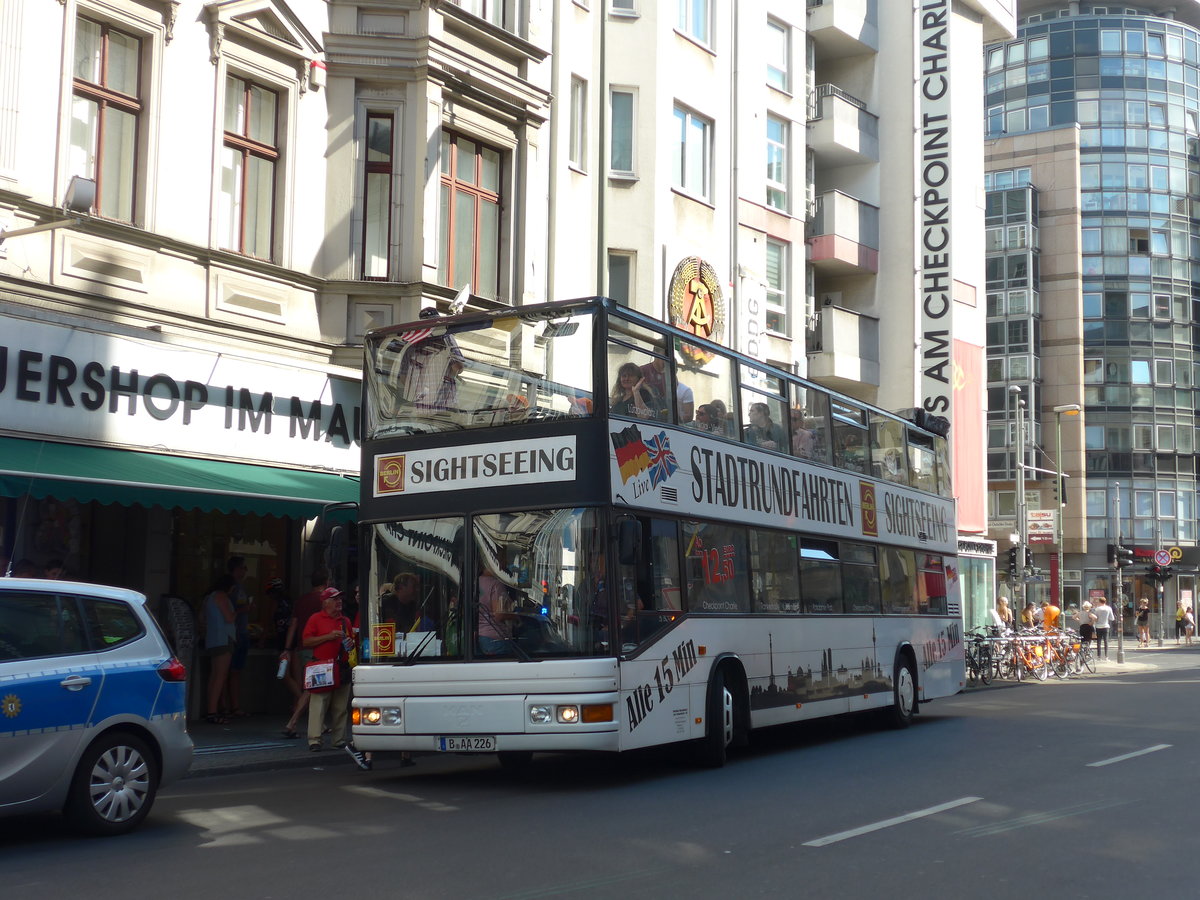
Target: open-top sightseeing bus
<point>588,530</point>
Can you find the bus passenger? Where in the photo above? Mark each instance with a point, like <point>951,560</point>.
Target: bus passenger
<point>722,424</point>
<point>762,431</point>
<point>631,396</point>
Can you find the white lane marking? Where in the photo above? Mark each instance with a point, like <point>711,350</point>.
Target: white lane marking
<point>888,823</point>
<point>1117,759</point>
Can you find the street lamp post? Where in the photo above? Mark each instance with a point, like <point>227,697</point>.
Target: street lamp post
<point>1022,524</point>
<point>1070,409</point>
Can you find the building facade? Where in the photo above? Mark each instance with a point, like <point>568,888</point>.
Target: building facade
<point>1093,134</point>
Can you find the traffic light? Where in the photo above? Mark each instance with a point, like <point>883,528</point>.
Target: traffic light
<point>1012,562</point>
<point>1154,572</point>
<point>1028,558</point>
<point>1165,573</point>
<point>1112,555</point>
<point>1124,556</point>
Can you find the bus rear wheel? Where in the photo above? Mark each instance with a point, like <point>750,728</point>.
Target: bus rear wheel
<point>904,693</point>
<point>720,723</point>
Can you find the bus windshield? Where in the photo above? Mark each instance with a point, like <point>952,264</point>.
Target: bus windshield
<point>538,590</point>
<point>487,371</point>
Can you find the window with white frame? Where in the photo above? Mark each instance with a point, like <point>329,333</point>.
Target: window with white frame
<point>377,195</point>
<point>621,275</point>
<point>694,18</point>
<point>693,155</point>
<point>777,286</point>
<point>488,10</point>
<point>578,141</point>
<point>469,215</point>
<point>250,156</point>
<point>777,163</point>
<point>106,110</point>
<point>621,146</point>
<point>779,55</point>
<point>623,6</point>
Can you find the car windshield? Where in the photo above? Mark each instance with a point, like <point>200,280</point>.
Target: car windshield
<point>509,369</point>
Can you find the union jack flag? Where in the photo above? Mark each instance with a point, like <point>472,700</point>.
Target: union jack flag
<point>662,461</point>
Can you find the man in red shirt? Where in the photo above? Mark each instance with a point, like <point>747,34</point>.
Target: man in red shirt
<point>293,649</point>
<point>326,634</point>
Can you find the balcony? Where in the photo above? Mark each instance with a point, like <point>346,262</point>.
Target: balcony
<point>840,130</point>
<point>843,238</point>
<point>843,28</point>
<point>843,349</point>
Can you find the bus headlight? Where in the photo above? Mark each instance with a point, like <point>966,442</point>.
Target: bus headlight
<point>541,715</point>
<point>365,716</point>
<point>392,715</point>
<point>568,715</point>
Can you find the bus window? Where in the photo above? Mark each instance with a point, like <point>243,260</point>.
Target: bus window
<point>810,423</point>
<point>922,464</point>
<point>765,420</point>
<point>941,450</point>
<point>412,599</point>
<point>931,593</point>
<point>632,377</point>
<point>539,587</point>
<point>649,590</point>
<point>820,576</point>
<point>774,573</point>
<point>716,558</point>
<point>860,579</point>
<point>849,436</point>
<point>888,458</point>
<point>685,396</point>
<point>712,392</point>
<point>898,581</point>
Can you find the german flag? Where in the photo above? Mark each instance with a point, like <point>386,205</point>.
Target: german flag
<point>632,456</point>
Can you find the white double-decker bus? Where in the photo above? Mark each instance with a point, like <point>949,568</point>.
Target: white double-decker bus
<point>587,530</point>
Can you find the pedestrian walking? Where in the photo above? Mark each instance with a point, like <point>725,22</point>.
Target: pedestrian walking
<point>1143,622</point>
<point>1189,625</point>
<point>294,649</point>
<point>1179,611</point>
<point>328,635</point>
<point>1102,618</point>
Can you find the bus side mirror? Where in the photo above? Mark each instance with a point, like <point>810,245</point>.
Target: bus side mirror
<point>629,541</point>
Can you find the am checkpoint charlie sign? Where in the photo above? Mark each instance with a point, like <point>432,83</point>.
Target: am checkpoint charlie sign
<point>932,21</point>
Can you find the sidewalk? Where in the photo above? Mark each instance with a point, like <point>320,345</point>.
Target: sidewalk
<point>255,744</point>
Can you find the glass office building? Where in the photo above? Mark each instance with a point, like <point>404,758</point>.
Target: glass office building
<point>1127,77</point>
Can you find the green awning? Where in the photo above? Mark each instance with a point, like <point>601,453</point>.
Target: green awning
<point>131,477</point>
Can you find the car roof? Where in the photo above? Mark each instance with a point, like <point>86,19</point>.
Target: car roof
<point>45,585</point>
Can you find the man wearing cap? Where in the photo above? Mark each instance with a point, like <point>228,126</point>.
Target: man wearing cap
<point>326,634</point>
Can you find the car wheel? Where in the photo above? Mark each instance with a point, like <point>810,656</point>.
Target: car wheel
<point>114,785</point>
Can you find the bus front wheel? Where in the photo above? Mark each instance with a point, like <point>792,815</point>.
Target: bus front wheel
<point>904,692</point>
<point>719,725</point>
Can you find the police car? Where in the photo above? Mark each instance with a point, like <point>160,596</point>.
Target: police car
<point>92,718</point>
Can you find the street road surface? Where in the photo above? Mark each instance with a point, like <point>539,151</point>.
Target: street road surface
<point>1078,789</point>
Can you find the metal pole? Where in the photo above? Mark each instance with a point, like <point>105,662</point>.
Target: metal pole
<point>1074,410</point>
<point>1022,523</point>
<point>1120,585</point>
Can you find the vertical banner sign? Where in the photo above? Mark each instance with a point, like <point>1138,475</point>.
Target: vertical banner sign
<point>933,185</point>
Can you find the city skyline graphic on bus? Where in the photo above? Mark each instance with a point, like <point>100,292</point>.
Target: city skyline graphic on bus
<point>830,681</point>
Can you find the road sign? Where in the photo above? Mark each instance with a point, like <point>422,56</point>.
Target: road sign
<point>1162,557</point>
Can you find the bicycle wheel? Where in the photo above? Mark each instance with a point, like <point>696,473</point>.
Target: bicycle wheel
<point>1086,659</point>
<point>985,665</point>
